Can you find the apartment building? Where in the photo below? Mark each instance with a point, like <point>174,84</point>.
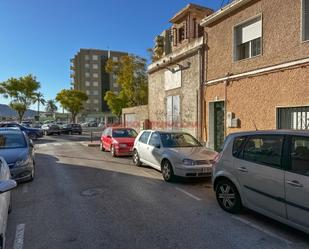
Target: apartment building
<point>257,67</point>
<point>88,75</point>
<point>175,78</point>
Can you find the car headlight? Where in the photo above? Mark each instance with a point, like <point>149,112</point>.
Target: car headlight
<point>188,162</point>
<point>23,162</point>
<point>122,145</point>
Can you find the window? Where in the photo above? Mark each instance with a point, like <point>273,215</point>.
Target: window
<point>86,65</point>
<point>154,140</point>
<point>95,83</point>
<point>181,34</point>
<point>95,92</point>
<point>115,85</point>
<point>95,57</point>
<point>296,118</point>
<point>173,111</point>
<point>95,101</point>
<point>86,57</point>
<point>264,149</point>
<point>87,92</point>
<point>95,75</point>
<point>95,66</point>
<point>248,39</point>
<point>115,59</point>
<point>87,75</point>
<point>144,137</point>
<point>300,155</point>
<point>87,83</point>
<point>237,146</point>
<point>305,20</point>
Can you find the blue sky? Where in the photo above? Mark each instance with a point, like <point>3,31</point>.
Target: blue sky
<point>40,36</point>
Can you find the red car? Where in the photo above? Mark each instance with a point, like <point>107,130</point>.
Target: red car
<point>119,141</point>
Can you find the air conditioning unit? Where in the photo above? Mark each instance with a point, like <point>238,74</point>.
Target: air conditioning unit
<point>235,123</point>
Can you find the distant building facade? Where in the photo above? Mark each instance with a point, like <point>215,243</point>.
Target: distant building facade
<point>88,75</point>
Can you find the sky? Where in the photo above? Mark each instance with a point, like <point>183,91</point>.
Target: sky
<point>40,36</point>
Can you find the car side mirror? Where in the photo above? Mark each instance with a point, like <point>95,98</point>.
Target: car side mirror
<point>158,146</point>
<point>7,185</point>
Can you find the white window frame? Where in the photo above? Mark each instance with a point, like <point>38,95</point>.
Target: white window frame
<point>95,66</point>
<point>234,38</point>
<point>87,57</point>
<point>87,75</point>
<point>95,57</point>
<point>95,75</point>
<point>87,65</point>
<point>95,83</point>
<point>95,92</point>
<point>87,83</point>
<point>303,27</point>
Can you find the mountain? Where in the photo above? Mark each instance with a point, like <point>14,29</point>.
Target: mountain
<point>6,111</point>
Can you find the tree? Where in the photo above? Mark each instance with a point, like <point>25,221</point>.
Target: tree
<point>51,107</point>
<point>72,100</point>
<point>39,99</point>
<point>131,75</point>
<point>22,91</point>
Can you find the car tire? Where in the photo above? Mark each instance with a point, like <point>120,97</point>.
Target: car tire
<point>228,196</point>
<point>102,147</point>
<point>167,171</point>
<point>136,160</point>
<point>113,152</point>
<point>33,136</point>
<point>59,133</point>
<point>33,173</point>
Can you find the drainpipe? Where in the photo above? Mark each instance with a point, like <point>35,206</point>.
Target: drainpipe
<point>201,92</point>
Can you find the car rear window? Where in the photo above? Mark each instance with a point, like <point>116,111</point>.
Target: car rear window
<point>144,137</point>
<point>237,146</point>
<point>12,141</point>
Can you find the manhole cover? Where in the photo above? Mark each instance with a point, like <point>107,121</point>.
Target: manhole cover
<point>92,192</point>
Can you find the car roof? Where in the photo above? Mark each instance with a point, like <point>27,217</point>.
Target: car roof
<point>272,132</point>
<point>7,130</point>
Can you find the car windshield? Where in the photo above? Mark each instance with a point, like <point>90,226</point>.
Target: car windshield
<point>124,133</point>
<point>171,140</point>
<point>12,141</point>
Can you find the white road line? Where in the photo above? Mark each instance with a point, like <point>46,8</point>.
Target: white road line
<point>56,144</point>
<point>25,188</point>
<point>261,229</point>
<point>19,236</point>
<point>188,194</point>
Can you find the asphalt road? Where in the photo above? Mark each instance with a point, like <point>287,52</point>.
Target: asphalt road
<point>82,198</point>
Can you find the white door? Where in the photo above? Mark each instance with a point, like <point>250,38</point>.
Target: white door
<point>258,169</point>
<point>142,146</point>
<point>297,182</point>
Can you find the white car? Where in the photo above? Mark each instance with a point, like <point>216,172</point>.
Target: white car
<point>173,153</point>
<point>266,171</point>
<point>6,184</point>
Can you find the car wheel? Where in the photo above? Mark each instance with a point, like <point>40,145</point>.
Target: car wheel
<point>102,147</point>
<point>33,136</point>
<point>113,152</point>
<point>59,133</point>
<point>32,173</point>
<point>167,171</point>
<point>228,196</point>
<point>136,160</point>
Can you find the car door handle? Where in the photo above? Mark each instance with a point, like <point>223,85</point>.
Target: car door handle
<point>242,169</point>
<point>295,184</point>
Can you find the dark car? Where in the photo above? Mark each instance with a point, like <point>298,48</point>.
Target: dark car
<point>51,129</point>
<point>18,151</point>
<point>72,129</point>
<point>32,133</point>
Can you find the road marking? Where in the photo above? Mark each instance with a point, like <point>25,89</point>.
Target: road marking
<point>261,229</point>
<point>56,144</point>
<point>188,194</point>
<point>25,188</point>
<point>19,236</point>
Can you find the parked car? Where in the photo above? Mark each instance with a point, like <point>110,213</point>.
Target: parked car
<point>18,151</point>
<point>173,153</point>
<point>72,129</point>
<point>119,141</point>
<point>50,129</point>
<point>33,133</point>
<point>93,124</point>
<point>266,171</point>
<point>6,184</point>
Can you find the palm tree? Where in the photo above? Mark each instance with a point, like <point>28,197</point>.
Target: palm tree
<point>39,98</point>
<point>51,107</point>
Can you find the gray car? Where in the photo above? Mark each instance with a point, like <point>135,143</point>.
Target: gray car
<point>173,153</point>
<point>51,129</point>
<point>266,171</point>
<point>18,151</point>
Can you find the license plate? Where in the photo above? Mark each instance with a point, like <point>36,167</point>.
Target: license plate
<point>206,170</point>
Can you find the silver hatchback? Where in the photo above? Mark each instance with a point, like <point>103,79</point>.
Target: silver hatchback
<point>266,171</point>
<point>173,153</point>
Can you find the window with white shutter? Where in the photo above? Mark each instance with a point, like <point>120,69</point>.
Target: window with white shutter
<point>248,39</point>
<point>305,25</point>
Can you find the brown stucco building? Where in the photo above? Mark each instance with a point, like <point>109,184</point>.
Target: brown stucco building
<point>257,67</point>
